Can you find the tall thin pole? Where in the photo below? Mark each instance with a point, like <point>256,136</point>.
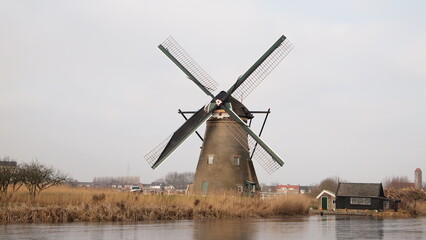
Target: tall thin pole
<point>183,115</point>
<point>261,130</point>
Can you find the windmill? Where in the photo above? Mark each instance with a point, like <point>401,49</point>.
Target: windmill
<point>225,162</point>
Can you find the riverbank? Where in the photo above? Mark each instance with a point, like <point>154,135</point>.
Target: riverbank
<point>373,213</point>
<point>411,203</point>
<point>67,204</point>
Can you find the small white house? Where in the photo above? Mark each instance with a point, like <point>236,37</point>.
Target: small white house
<point>326,200</point>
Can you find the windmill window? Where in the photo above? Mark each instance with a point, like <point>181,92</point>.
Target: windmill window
<point>210,159</point>
<point>235,161</point>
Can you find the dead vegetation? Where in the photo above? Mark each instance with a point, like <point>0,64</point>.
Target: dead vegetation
<point>413,201</point>
<point>67,204</point>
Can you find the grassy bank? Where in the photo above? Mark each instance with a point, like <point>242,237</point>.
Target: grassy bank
<point>66,204</point>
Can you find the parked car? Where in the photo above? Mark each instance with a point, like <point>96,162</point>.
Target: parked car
<point>136,189</point>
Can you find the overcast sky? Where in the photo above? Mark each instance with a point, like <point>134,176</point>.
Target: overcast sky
<point>84,88</point>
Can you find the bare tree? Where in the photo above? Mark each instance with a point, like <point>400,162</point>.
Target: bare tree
<point>108,180</point>
<point>17,178</point>
<point>8,173</point>
<point>5,176</point>
<point>329,184</point>
<point>188,177</point>
<point>38,177</point>
<point>179,179</point>
<point>397,182</point>
<point>160,180</point>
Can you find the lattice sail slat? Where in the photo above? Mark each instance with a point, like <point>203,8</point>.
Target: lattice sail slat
<point>260,155</point>
<point>263,70</point>
<point>177,52</point>
<point>155,153</point>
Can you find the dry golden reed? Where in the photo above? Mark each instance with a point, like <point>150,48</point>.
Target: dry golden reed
<point>69,204</point>
<point>413,201</point>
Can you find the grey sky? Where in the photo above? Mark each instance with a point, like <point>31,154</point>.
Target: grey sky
<point>84,88</point>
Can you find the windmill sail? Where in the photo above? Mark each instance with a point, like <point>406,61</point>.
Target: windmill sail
<point>266,157</point>
<point>194,72</point>
<point>248,142</point>
<point>162,151</point>
<point>260,70</point>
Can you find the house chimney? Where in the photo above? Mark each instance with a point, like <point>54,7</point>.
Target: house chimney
<point>418,178</point>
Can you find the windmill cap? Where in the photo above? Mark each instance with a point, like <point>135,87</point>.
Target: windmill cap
<point>418,170</point>
<point>239,108</point>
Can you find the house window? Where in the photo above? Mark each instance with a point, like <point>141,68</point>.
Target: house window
<point>210,159</point>
<point>360,201</point>
<point>235,161</point>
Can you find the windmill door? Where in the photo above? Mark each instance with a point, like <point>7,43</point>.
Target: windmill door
<point>250,188</point>
<point>324,203</point>
<point>205,187</point>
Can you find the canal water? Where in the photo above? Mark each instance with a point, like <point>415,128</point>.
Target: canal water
<point>313,227</point>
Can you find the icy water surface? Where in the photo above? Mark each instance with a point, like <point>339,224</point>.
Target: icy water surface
<point>313,227</point>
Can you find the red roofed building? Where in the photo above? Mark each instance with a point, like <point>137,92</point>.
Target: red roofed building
<point>287,189</point>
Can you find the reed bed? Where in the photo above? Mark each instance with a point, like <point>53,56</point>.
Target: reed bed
<point>413,201</point>
<point>70,204</point>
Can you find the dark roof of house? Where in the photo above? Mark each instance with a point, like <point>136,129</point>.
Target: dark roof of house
<point>360,190</point>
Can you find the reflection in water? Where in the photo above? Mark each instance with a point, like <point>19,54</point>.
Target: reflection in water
<point>223,229</point>
<point>359,227</point>
<point>248,229</point>
<point>313,227</point>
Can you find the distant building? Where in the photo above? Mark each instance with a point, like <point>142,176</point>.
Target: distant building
<point>368,196</point>
<point>326,200</point>
<point>153,188</point>
<point>157,185</point>
<point>82,184</point>
<point>181,189</point>
<point>288,189</point>
<point>169,189</point>
<point>304,189</point>
<point>266,188</point>
<point>418,178</point>
<point>276,190</point>
<point>116,182</point>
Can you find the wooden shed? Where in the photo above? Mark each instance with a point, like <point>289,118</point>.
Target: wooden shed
<point>326,200</point>
<point>368,196</point>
